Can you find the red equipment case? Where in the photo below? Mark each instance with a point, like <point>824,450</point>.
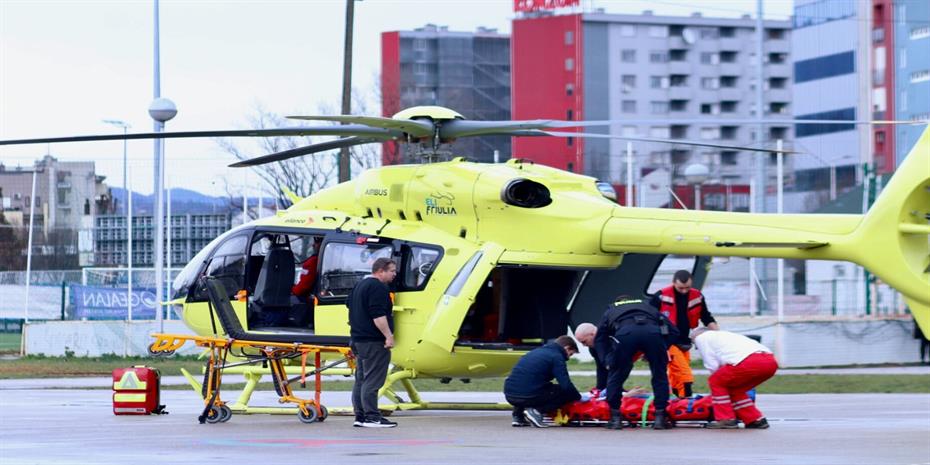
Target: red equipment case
<point>136,391</point>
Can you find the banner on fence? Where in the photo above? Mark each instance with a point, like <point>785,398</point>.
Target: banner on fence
<point>107,303</point>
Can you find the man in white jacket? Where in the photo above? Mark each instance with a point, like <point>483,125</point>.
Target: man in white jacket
<point>737,365</point>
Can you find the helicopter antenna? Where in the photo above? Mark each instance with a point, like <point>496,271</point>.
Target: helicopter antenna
<point>387,221</point>
<point>339,228</point>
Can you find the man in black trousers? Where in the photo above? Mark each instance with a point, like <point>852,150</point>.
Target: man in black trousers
<point>372,331</point>
<point>529,387</point>
<point>630,326</point>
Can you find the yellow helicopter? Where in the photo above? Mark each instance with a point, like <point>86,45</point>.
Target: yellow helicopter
<point>495,259</point>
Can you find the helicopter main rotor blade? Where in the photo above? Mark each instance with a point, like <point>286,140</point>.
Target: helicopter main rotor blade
<point>465,128</point>
<point>663,141</point>
<point>306,150</point>
<point>346,130</point>
<point>413,127</point>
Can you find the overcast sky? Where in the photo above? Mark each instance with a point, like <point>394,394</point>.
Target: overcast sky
<point>67,65</point>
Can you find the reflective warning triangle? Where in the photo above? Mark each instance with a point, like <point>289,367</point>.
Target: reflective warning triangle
<point>129,381</point>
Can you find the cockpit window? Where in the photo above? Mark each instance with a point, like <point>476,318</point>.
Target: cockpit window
<point>228,265</point>
<point>185,279</point>
<point>344,265</point>
<point>420,263</point>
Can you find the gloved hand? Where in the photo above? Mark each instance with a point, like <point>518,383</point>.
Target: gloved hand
<point>585,397</point>
<point>684,347</point>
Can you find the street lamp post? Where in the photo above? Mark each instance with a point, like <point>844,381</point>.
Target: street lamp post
<point>696,174</point>
<point>161,110</point>
<point>128,212</point>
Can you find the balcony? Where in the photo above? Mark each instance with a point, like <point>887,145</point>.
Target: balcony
<point>776,46</point>
<point>778,95</point>
<point>676,42</point>
<point>680,67</point>
<point>730,94</point>
<point>731,44</point>
<point>878,35</point>
<point>680,93</point>
<point>730,69</point>
<point>778,69</point>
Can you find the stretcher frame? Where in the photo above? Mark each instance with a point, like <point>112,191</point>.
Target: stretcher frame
<point>309,410</point>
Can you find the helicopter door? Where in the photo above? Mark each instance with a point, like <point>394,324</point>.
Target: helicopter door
<point>442,329</point>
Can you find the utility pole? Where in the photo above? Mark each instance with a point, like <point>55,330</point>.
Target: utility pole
<point>344,160</point>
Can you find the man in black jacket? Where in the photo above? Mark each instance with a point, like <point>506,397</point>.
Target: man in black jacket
<point>372,332</point>
<point>630,326</point>
<point>529,388</point>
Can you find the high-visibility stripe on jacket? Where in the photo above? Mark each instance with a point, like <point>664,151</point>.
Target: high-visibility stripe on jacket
<point>668,308</point>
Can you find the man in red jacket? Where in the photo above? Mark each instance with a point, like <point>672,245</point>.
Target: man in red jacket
<point>303,290</point>
<point>685,307</point>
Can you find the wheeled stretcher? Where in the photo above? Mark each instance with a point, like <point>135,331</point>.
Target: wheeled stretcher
<point>636,410</point>
<point>270,349</point>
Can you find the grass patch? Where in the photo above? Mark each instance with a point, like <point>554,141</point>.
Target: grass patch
<point>10,342</point>
<point>54,367</point>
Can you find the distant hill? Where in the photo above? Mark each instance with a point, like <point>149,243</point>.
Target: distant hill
<point>183,201</point>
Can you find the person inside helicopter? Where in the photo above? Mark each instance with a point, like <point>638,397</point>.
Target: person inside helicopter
<point>278,297</point>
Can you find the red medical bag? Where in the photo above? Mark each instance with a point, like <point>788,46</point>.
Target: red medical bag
<point>136,391</point>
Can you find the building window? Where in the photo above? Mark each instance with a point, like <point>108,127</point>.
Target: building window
<point>920,76</point>
<point>569,115</point>
<point>709,83</point>
<point>629,81</point>
<point>658,31</point>
<point>569,64</point>
<point>569,37</point>
<point>678,105</point>
<point>728,57</point>
<point>627,30</point>
<point>569,89</point>
<point>678,80</point>
<point>710,133</point>
<point>728,158</point>
<point>728,32</point>
<point>823,67</point>
<point>709,33</point>
<point>628,131</point>
<point>678,55</point>
<point>777,83</point>
<point>659,108</point>
<point>658,56</point>
<point>628,106</point>
<point>776,34</point>
<point>728,81</point>
<point>661,132</point>
<point>728,106</point>
<point>804,130</point>
<point>706,109</point>
<point>709,58</point>
<point>658,82</point>
<point>628,56</point>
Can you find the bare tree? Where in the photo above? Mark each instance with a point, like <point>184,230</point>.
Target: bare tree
<point>302,175</point>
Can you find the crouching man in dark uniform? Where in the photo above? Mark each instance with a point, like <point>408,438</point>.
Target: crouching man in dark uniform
<point>630,326</point>
<point>529,388</point>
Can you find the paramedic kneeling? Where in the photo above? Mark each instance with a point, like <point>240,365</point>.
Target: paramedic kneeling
<point>737,364</point>
<point>529,388</point>
<point>630,326</point>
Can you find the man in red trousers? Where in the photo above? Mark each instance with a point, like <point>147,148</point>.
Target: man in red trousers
<point>737,364</point>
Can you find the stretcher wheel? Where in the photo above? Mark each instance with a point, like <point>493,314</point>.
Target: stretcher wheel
<point>324,414</point>
<point>305,418</point>
<point>215,415</point>
<point>225,413</point>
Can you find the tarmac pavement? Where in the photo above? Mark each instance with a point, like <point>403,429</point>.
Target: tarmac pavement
<point>77,426</point>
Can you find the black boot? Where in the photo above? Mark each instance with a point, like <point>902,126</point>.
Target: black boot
<point>688,391</point>
<point>661,420</point>
<point>616,420</point>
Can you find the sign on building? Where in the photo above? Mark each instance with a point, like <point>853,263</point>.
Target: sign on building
<point>529,6</point>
